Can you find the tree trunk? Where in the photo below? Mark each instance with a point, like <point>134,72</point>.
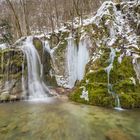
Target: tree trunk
<point>18,27</point>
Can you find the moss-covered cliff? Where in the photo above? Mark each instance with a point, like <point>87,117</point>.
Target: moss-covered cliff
<point>11,71</point>
<point>112,27</point>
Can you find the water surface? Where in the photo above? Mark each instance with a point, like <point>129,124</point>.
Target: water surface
<point>61,120</point>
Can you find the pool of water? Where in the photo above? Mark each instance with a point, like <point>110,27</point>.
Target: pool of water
<point>64,120</point>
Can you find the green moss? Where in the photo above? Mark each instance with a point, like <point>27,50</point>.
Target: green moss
<point>127,101</point>
<point>124,86</point>
<point>99,76</point>
<point>123,70</point>
<point>75,96</point>
<point>136,97</point>
<point>97,95</point>
<point>37,43</point>
<point>64,35</point>
<point>101,62</point>
<point>56,38</point>
<point>120,76</point>
<point>89,28</point>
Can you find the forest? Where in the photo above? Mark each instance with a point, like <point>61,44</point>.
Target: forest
<point>69,69</point>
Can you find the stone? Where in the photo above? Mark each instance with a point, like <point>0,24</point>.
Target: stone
<point>4,96</point>
<point>117,134</point>
<point>13,97</point>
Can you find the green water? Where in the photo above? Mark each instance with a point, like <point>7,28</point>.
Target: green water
<point>61,120</point>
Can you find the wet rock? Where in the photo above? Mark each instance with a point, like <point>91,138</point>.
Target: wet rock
<point>61,91</point>
<point>5,96</point>
<point>13,97</point>
<point>116,134</point>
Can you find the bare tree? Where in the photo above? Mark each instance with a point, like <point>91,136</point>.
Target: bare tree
<point>39,16</point>
<point>25,12</point>
<point>18,27</point>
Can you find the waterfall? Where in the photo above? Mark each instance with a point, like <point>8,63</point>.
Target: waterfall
<point>136,64</point>
<point>117,102</point>
<point>72,54</point>
<point>110,67</point>
<point>77,58</point>
<point>83,56</point>
<point>36,86</point>
<point>108,70</point>
<point>22,78</point>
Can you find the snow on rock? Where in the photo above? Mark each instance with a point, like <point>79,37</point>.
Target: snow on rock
<point>84,94</point>
<point>119,34</point>
<point>3,46</point>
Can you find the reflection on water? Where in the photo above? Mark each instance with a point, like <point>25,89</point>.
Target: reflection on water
<point>59,120</point>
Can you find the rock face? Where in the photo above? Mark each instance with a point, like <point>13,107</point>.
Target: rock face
<point>43,48</point>
<point>101,57</point>
<point>11,71</point>
<point>112,79</point>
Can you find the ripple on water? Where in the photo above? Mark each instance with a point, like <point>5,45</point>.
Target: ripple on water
<point>57,120</point>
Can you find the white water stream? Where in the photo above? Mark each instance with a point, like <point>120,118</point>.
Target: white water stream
<point>77,57</point>
<point>108,70</point>
<point>36,86</point>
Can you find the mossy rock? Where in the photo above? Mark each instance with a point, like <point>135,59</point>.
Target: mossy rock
<point>5,96</point>
<point>124,86</point>
<point>37,43</point>
<point>64,35</point>
<point>75,96</point>
<point>97,93</point>
<point>130,100</point>
<point>122,71</point>
<point>99,97</point>
<point>127,101</point>
<point>60,57</point>
<point>12,61</point>
<point>99,76</point>
<point>120,77</point>
<point>54,40</point>
<point>136,97</point>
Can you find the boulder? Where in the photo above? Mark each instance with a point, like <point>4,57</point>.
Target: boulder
<point>5,96</point>
<point>13,97</point>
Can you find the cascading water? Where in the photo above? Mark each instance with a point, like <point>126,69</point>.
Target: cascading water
<point>83,56</point>
<point>117,102</point>
<point>36,86</point>
<point>108,70</point>
<point>22,78</point>
<point>77,58</point>
<point>136,64</point>
<point>72,54</point>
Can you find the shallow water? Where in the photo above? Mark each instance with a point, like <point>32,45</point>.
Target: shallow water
<point>61,120</point>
